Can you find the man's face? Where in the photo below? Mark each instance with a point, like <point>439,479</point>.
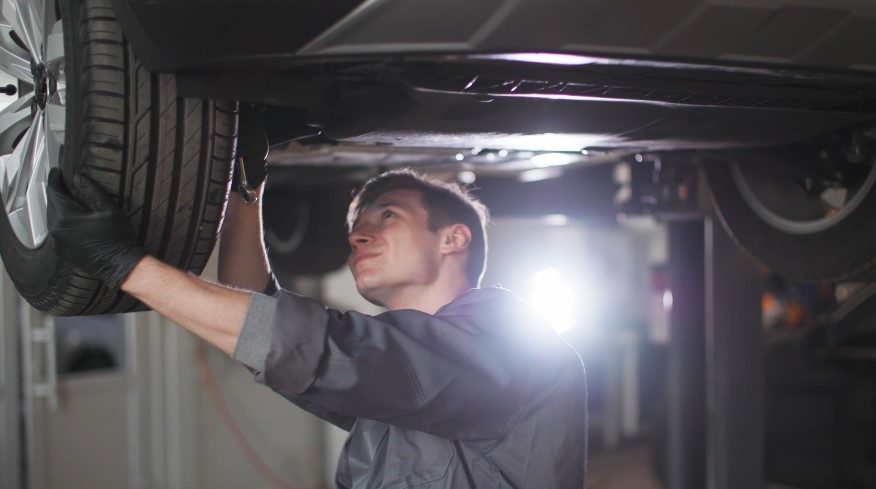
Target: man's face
<point>393,250</point>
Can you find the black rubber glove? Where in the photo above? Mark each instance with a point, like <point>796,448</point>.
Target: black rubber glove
<point>250,165</point>
<point>90,230</point>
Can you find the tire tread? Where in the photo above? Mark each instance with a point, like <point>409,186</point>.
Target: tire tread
<point>166,160</point>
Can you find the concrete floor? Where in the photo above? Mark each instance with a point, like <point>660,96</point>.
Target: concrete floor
<point>624,468</point>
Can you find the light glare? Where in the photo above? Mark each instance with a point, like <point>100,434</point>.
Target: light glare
<point>556,220</point>
<point>553,159</point>
<point>549,58</point>
<point>553,297</point>
<point>467,177</point>
<point>538,174</point>
<point>667,299</point>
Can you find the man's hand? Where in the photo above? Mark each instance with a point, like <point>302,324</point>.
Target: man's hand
<point>90,230</point>
<point>92,233</point>
<point>250,162</point>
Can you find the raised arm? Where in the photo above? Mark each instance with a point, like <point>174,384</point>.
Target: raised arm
<point>212,312</point>
<point>243,262</point>
<point>93,234</point>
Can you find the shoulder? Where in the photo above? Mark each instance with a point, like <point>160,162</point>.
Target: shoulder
<point>499,316</point>
<point>489,300</point>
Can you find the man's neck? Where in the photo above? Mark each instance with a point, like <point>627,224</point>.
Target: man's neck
<point>427,299</point>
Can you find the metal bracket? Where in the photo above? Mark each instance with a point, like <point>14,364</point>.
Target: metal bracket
<point>42,336</point>
<point>667,190</point>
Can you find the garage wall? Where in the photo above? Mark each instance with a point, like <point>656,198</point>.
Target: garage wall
<point>171,434</point>
<point>10,475</point>
<point>287,440</point>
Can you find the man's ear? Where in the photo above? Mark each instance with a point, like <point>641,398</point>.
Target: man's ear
<point>455,239</point>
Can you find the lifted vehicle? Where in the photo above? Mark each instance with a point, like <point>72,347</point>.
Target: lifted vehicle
<point>774,101</point>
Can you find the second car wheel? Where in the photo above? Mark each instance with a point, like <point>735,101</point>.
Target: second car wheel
<point>804,211</point>
<point>85,103</point>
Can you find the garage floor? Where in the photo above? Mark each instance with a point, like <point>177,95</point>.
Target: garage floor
<point>628,467</point>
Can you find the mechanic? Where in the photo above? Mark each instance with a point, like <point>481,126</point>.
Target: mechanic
<point>453,387</point>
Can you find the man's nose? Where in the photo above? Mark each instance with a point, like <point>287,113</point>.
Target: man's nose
<point>358,238</point>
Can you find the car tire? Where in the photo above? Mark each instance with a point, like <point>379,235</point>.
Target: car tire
<point>839,246</point>
<point>166,159</point>
<point>304,226</point>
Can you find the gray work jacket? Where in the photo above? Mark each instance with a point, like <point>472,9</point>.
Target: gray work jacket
<point>482,394</point>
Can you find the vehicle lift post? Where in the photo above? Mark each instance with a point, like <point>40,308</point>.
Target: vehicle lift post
<point>735,398</point>
<point>715,375</point>
<point>715,371</point>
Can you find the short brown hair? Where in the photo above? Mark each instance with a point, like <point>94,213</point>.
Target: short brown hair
<point>445,203</point>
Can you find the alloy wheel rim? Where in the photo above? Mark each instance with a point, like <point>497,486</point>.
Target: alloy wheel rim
<point>32,126</point>
<point>832,205</point>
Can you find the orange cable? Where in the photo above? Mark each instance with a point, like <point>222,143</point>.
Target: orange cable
<point>233,427</point>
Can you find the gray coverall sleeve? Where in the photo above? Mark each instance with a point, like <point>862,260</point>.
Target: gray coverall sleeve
<point>437,374</point>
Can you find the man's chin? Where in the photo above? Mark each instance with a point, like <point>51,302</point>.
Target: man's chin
<point>373,299</point>
<point>370,293</point>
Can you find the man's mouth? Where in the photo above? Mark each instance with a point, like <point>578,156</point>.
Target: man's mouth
<point>361,256</point>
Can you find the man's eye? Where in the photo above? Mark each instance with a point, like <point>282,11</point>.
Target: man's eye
<point>388,214</point>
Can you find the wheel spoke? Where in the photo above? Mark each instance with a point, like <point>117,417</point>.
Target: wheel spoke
<point>56,106</point>
<point>15,112</point>
<point>55,109</point>
<point>35,194</point>
<point>54,136</point>
<point>6,182</point>
<point>11,60</point>
<point>26,19</point>
<point>28,55</point>
<point>10,164</point>
<point>55,120</point>
<point>17,164</point>
<point>55,45</point>
<point>25,197</point>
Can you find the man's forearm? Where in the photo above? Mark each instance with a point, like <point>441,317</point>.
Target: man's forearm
<point>210,311</point>
<point>243,262</point>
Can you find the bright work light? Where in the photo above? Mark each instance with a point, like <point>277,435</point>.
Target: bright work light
<point>554,297</point>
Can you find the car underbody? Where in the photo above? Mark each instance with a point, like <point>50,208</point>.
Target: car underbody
<point>759,115</point>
